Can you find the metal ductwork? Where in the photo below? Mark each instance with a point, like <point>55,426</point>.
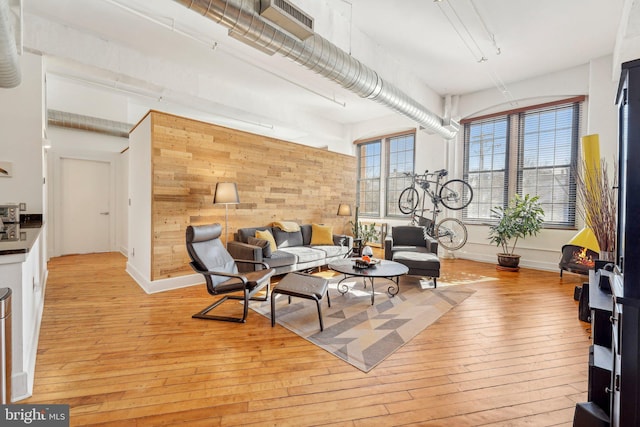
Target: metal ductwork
<point>87,123</point>
<point>319,55</point>
<point>10,75</point>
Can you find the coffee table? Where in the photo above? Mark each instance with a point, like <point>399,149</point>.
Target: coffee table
<point>385,269</point>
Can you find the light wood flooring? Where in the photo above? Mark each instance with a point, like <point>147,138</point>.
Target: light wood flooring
<point>512,354</point>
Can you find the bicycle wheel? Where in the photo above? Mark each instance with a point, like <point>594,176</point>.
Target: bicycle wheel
<point>408,201</point>
<point>456,194</point>
<point>451,233</point>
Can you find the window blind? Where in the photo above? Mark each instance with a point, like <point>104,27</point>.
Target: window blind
<point>525,151</point>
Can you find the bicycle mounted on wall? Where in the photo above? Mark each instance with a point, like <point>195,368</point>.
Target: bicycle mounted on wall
<point>454,194</point>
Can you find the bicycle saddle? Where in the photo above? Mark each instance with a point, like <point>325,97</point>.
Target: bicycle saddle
<point>442,172</point>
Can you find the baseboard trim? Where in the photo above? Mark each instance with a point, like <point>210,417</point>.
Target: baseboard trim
<point>155,286</point>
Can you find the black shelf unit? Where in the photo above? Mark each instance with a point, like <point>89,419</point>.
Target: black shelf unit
<point>628,337</point>
<point>614,359</point>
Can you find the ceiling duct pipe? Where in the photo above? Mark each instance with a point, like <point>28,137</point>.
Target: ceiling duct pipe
<point>319,55</point>
<point>87,123</point>
<point>10,75</point>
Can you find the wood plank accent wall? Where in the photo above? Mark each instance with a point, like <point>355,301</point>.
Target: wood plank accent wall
<point>277,180</point>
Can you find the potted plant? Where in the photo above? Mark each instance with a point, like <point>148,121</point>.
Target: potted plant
<point>521,218</point>
<point>598,205</point>
<point>366,232</point>
<point>363,233</point>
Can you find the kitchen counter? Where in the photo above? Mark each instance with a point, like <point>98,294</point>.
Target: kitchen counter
<point>26,235</point>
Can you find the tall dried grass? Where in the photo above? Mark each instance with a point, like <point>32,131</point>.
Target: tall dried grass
<point>597,202</point>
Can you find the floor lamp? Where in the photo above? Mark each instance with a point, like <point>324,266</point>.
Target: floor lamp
<point>226,194</point>
<point>344,210</point>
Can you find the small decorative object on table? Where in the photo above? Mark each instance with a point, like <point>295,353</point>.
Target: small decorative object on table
<point>367,251</point>
<point>365,262</point>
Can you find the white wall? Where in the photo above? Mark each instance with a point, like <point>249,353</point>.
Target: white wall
<point>21,126</point>
<point>139,228</point>
<point>122,203</point>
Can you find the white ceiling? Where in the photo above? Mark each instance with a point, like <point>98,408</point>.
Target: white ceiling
<point>534,37</point>
<point>439,43</point>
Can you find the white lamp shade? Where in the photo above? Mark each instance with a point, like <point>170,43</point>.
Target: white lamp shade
<point>226,193</point>
<point>344,210</point>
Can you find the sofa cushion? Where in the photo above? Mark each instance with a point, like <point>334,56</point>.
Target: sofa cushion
<point>280,258</point>
<point>321,235</point>
<point>306,234</point>
<point>285,239</point>
<point>262,243</point>
<point>332,251</point>
<point>304,253</point>
<point>266,235</point>
<point>243,234</point>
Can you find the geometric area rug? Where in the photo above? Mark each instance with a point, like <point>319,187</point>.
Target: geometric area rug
<point>358,332</point>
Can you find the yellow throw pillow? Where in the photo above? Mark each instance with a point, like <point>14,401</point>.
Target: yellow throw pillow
<point>266,235</point>
<point>321,234</point>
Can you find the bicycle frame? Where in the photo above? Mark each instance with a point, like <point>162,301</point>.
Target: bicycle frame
<point>450,232</point>
<point>424,182</point>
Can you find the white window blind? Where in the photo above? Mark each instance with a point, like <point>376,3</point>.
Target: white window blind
<point>369,178</point>
<point>400,161</point>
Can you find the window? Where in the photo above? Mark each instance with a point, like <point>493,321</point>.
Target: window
<point>382,164</point>
<point>526,151</point>
<point>369,178</point>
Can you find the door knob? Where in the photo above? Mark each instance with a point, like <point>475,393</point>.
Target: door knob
<point>104,213</point>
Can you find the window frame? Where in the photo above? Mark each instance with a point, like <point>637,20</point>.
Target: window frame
<point>514,157</point>
<point>386,176</point>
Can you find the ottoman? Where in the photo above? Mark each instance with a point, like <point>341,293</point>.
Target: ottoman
<point>420,263</point>
<point>301,285</point>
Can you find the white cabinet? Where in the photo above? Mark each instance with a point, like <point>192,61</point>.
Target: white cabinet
<point>25,273</point>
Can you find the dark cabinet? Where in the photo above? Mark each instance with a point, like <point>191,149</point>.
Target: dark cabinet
<point>614,360</point>
<point>626,316</point>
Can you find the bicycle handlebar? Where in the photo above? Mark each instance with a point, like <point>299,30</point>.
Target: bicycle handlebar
<point>441,173</point>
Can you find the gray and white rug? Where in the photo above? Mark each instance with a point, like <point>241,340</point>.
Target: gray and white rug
<point>358,332</point>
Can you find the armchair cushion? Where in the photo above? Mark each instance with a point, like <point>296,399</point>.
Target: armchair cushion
<point>209,256</point>
<point>408,236</point>
<point>411,246</point>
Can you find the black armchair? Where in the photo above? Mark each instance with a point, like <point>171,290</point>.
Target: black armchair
<point>210,258</point>
<point>412,247</point>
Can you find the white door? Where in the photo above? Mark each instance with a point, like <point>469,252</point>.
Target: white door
<point>85,215</point>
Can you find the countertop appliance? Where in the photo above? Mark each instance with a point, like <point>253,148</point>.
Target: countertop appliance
<point>10,232</point>
<point>10,213</point>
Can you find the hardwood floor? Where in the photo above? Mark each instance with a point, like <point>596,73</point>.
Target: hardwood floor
<point>514,353</point>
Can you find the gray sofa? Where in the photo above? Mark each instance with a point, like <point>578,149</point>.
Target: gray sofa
<point>294,251</point>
